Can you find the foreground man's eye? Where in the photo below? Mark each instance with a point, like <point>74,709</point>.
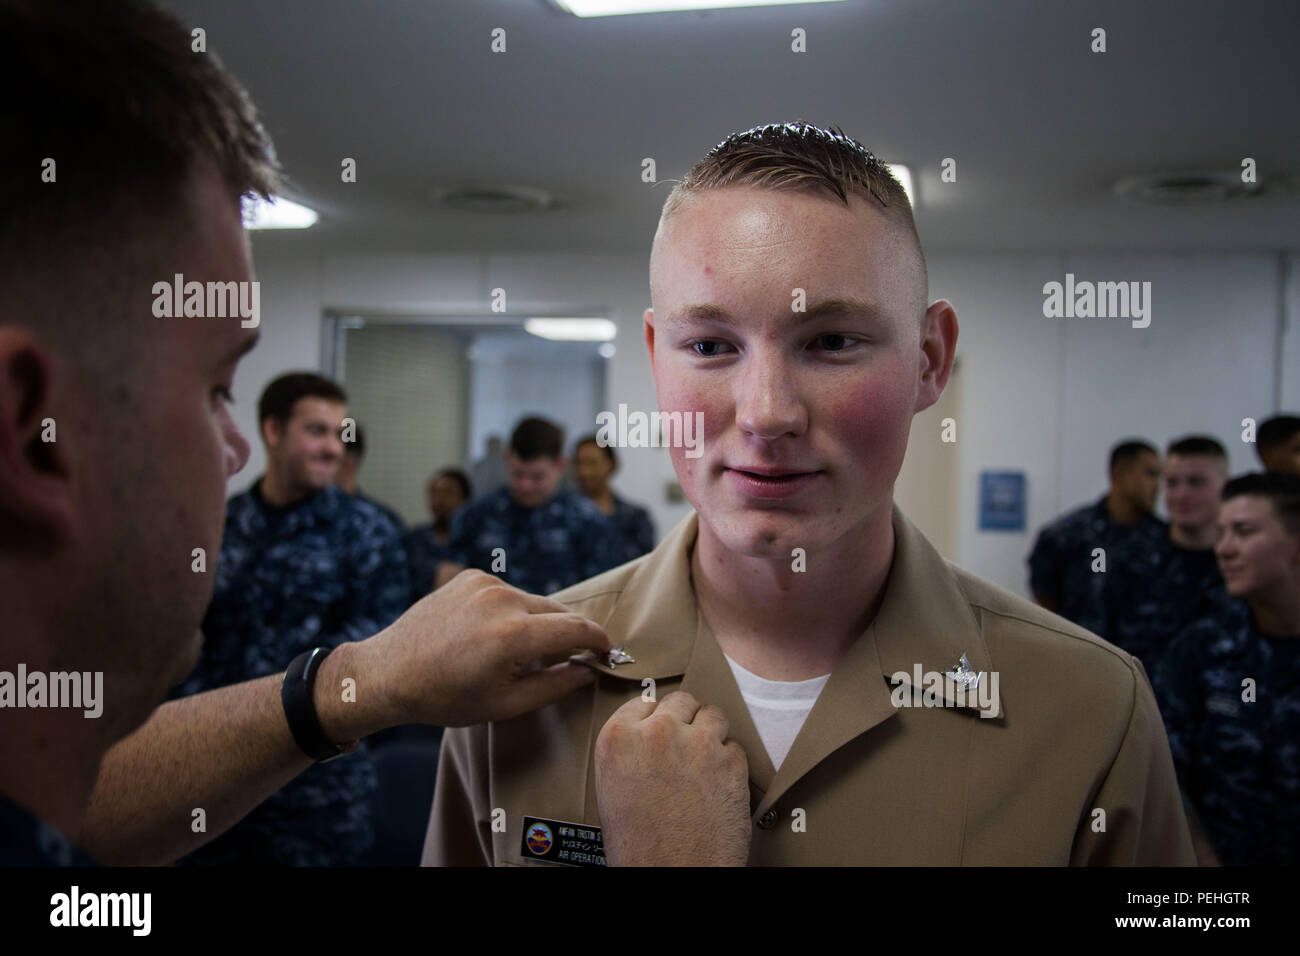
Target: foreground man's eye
<point>706,349</point>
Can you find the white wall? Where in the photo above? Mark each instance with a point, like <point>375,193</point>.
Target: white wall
<point>1289,354</point>
<point>516,375</point>
<point>1046,396</point>
<point>1051,396</point>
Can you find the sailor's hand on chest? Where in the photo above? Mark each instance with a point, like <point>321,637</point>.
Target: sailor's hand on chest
<point>670,788</point>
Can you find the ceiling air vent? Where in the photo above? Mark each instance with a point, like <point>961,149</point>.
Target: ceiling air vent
<point>498,199</point>
<point>1186,188</point>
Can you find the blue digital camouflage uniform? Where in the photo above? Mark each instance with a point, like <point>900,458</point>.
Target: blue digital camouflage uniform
<point>1148,615</point>
<point>1060,566</point>
<point>320,572</point>
<point>388,512</point>
<point>1237,761</point>
<point>636,532</point>
<point>27,840</point>
<point>545,549</point>
<point>423,552</point>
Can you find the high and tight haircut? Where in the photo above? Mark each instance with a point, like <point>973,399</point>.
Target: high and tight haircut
<point>1282,489</point>
<point>114,94</point>
<point>1129,451</point>
<point>1203,445</point>
<point>282,393</point>
<point>535,438</point>
<point>799,156</point>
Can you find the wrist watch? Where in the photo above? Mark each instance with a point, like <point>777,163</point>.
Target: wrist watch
<point>300,708</point>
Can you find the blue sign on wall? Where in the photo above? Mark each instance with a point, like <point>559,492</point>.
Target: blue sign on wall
<point>1002,501</point>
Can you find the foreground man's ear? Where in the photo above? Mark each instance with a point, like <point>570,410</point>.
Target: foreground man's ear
<point>938,349</point>
<point>37,495</point>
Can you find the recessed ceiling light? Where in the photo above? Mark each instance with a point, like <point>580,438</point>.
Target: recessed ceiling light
<point>572,330</point>
<point>614,8</point>
<point>277,214</point>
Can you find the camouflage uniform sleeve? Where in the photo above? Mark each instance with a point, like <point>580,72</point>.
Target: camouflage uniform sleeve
<point>460,825</point>
<point>1177,686</point>
<point>380,583</point>
<point>1045,565</point>
<point>1144,824</point>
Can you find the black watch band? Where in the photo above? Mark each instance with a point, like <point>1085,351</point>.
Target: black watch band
<point>300,709</point>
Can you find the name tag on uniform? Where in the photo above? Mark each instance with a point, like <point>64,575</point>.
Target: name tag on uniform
<point>572,844</point>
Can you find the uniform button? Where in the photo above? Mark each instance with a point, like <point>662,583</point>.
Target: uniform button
<point>767,820</point>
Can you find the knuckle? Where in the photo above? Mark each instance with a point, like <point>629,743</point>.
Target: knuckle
<point>714,712</point>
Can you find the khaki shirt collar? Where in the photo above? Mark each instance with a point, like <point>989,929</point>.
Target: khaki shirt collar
<point>924,623</point>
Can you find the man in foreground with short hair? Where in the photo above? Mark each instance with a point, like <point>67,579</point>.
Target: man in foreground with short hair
<point>1229,686</point>
<point>116,443</point>
<point>763,703</point>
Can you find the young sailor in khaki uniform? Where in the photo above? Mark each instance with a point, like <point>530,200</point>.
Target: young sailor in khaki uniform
<point>936,718</point>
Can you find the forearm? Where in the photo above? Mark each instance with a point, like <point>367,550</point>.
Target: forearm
<point>223,752</point>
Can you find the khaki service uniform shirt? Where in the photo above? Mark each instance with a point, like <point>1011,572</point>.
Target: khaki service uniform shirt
<point>1077,732</point>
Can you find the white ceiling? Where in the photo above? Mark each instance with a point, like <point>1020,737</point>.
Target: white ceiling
<point>1040,126</point>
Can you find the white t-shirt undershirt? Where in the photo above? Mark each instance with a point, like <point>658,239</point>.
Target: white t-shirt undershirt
<point>778,707</point>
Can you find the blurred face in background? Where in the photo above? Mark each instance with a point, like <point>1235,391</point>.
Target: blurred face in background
<point>1193,484</point>
<point>306,451</point>
<point>445,498</point>
<point>533,483</point>
<point>593,469</point>
<point>1284,457</point>
<point>1138,481</point>
<point>1256,553</point>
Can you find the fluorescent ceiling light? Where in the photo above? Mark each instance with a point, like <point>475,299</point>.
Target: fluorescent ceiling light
<point>280,214</point>
<point>904,176</point>
<point>614,8</point>
<point>572,330</point>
